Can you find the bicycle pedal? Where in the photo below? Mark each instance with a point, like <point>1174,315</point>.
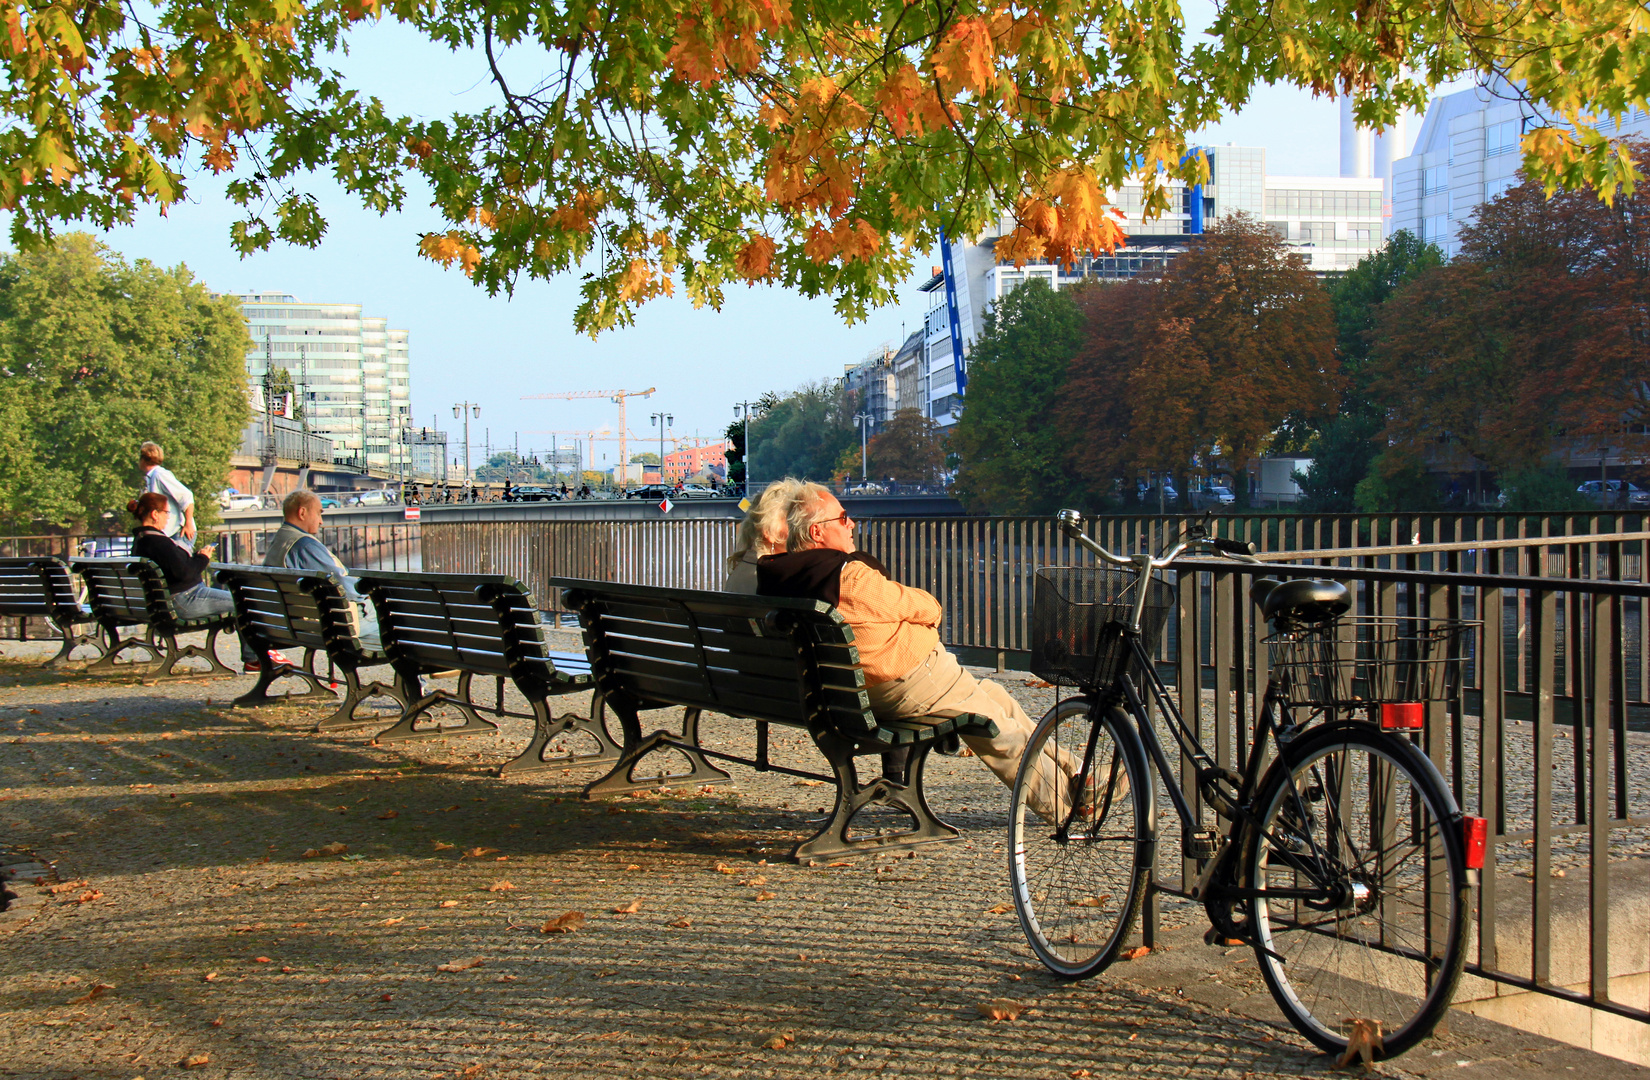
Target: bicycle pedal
<point>1203,844</point>
<point>1214,937</point>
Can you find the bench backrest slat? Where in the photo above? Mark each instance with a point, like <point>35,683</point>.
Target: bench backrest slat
<point>784,661</point>
<point>297,609</point>
<point>39,586</point>
<point>127,591</point>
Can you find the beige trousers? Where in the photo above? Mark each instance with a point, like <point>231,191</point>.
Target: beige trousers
<point>939,687</point>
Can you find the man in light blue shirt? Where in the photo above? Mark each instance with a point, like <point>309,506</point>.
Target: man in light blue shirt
<point>180,501</point>
<point>295,546</point>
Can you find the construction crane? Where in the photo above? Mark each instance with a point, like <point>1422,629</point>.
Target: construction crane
<point>617,397</point>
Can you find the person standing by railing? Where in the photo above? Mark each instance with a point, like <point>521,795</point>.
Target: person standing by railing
<point>179,526</point>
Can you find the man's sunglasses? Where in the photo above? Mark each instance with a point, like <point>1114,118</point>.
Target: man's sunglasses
<point>842,517</point>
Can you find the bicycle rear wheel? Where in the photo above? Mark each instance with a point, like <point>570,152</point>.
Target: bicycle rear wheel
<point>1359,823</point>
<point>1079,868</point>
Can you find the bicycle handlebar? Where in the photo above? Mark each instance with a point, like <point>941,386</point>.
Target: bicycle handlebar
<point>1071,524</point>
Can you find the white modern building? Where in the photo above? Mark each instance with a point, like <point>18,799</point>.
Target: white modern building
<point>349,371</point>
<point>1332,222</point>
<point>1466,154</point>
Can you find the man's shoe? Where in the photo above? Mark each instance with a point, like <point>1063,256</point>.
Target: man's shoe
<point>252,667</point>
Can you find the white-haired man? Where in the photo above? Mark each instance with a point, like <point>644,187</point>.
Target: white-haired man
<point>908,673</point>
<point>296,545</point>
<point>180,501</point>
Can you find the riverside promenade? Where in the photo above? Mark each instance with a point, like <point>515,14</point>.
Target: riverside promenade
<point>177,925</point>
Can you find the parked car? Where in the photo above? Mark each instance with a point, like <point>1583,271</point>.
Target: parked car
<point>375,497</point>
<point>533,493</point>
<point>1217,495</point>
<point>868,487</point>
<point>695,491</point>
<point>242,502</point>
<point>329,503</point>
<point>652,491</point>
<point>1619,494</point>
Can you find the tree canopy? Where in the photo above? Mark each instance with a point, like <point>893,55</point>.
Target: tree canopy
<point>822,144</point>
<point>802,434</point>
<point>95,357</point>
<point>909,450</point>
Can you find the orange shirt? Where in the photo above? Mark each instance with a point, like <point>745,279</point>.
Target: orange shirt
<point>895,627</point>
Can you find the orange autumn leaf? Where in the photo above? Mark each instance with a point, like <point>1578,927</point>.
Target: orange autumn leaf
<point>755,259</point>
<point>966,57</point>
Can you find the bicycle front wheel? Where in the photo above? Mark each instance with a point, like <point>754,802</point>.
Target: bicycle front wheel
<point>1362,900</point>
<point>1078,850</point>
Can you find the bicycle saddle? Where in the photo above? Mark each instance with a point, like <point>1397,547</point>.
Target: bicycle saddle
<point>1301,602</point>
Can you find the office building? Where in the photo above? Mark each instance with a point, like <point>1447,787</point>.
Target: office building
<point>1467,153</point>
<point>350,372</point>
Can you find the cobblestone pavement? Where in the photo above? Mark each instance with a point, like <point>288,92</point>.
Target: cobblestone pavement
<point>177,919</point>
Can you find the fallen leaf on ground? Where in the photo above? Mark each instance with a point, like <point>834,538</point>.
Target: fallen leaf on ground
<point>1000,1009</point>
<point>386,997</point>
<point>1000,909</point>
<point>478,852</point>
<point>261,960</point>
<point>218,1022</point>
<point>778,1040</point>
<point>66,886</point>
<point>628,909</point>
<point>1039,684</point>
<point>763,896</point>
<point>1363,1042</point>
<point>500,886</point>
<point>808,783</point>
<point>439,846</point>
<point>211,975</point>
<point>724,868</point>
<point>682,924</point>
<point>388,815</point>
<point>448,903</point>
<point>397,921</point>
<point>471,1070</point>
<point>755,881</point>
<point>1080,1074</point>
<point>1092,901</point>
<point>1135,953</point>
<point>326,849</point>
<point>841,863</point>
<point>195,1061</point>
<point>97,991</point>
<point>86,897</point>
<point>460,965</point>
<point>563,924</point>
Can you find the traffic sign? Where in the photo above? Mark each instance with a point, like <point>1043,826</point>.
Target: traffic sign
<point>665,505</point>
<point>410,513</point>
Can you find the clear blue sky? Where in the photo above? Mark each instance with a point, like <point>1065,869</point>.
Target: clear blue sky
<point>468,346</point>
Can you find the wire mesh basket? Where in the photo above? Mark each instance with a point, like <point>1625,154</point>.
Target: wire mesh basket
<point>1372,660</point>
<point>1078,615</point>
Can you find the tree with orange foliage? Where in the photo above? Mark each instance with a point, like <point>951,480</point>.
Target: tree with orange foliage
<point>693,144</point>
<point>1204,363</point>
<point>1531,343</point>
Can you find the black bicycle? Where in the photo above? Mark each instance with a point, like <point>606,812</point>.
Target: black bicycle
<point>1337,851</point>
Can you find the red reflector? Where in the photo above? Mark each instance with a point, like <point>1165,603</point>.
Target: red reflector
<point>1405,716</point>
<point>1475,831</point>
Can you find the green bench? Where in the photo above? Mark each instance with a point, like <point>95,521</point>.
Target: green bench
<point>768,660</point>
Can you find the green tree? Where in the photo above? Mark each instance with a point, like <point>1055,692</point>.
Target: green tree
<point>1343,447</point>
<point>1013,458</point>
<point>804,433</point>
<point>646,457</point>
<point>664,144</point>
<point>95,357</point>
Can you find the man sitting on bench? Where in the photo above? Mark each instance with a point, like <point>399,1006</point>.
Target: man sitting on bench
<point>908,673</point>
<point>296,546</point>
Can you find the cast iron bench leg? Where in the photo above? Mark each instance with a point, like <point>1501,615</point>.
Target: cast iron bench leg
<point>259,694</point>
<point>622,778</point>
<point>548,730</point>
<point>175,653</point>
<point>403,730</point>
<point>73,640</point>
<point>833,841</point>
<point>110,660</point>
<point>354,694</point>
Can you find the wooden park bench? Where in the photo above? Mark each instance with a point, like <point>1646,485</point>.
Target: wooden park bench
<point>487,625</point>
<point>42,587</point>
<point>774,661</point>
<point>130,591</point>
<point>308,611</point>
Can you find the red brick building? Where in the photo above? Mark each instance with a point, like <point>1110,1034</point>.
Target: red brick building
<point>687,461</point>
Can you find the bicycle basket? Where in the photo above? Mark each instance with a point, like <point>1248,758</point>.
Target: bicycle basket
<point>1372,660</point>
<point>1078,615</point>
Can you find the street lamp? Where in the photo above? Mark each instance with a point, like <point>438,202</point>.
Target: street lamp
<point>864,421</point>
<point>464,409</point>
<point>664,420</point>
<point>743,410</point>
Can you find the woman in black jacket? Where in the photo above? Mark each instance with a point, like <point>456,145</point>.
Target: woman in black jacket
<point>191,597</point>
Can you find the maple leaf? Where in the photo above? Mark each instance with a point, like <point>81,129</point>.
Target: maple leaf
<point>755,259</point>
<point>628,909</point>
<point>563,924</point>
<point>1000,1009</point>
<point>97,991</point>
<point>966,57</point>
<point>461,965</point>
<point>500,886</point>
